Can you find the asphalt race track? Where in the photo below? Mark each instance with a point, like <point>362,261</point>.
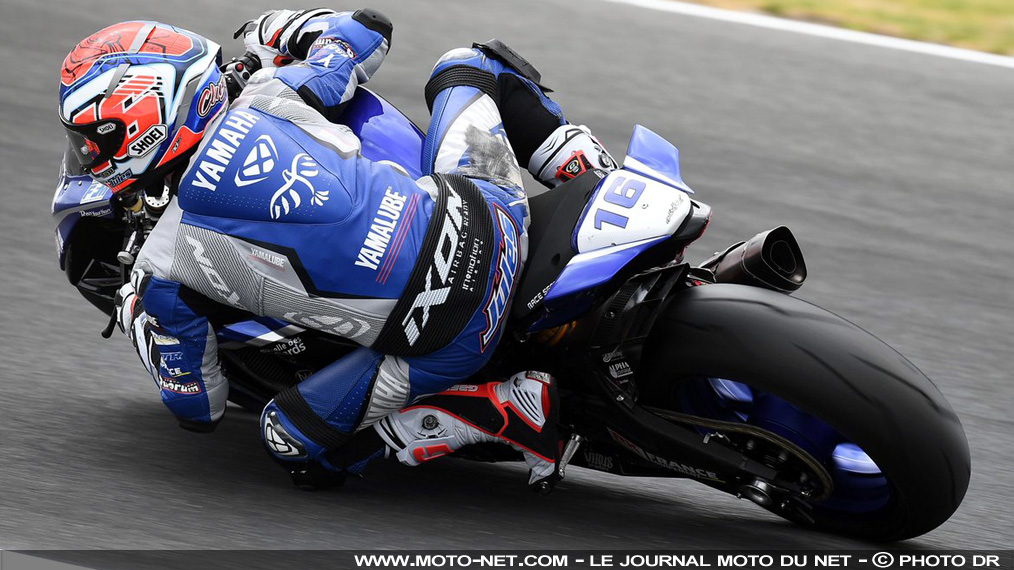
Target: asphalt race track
<point>895,170</point>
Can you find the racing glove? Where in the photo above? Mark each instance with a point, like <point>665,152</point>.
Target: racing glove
<point>336,52</point>
<point>270,34</point>
<point>131,318</point>
<point>279,36</point>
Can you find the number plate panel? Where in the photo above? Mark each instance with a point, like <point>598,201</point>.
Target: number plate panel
<point>628,207</point>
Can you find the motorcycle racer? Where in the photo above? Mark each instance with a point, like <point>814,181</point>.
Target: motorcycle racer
<point>277,213</point>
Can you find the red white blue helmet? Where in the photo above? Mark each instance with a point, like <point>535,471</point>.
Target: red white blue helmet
<point>136,99</point>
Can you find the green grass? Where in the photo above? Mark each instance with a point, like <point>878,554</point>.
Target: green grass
<point>985,25</point>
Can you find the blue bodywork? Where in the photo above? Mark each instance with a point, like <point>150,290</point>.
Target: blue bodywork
<point>654,157</point>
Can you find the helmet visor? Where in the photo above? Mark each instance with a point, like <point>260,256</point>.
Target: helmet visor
<point>95,143</point>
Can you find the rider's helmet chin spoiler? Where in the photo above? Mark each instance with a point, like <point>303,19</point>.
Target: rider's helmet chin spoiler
<point>771,259</point>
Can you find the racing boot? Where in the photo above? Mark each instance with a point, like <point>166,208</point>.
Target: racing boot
<point>521,412</point>
<point>570,151</point>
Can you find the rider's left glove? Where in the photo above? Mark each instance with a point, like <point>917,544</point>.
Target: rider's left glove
<point>125,303</point>
<point>131,318</point>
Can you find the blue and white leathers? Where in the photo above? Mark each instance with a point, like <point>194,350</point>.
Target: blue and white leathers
<point>280,215</point>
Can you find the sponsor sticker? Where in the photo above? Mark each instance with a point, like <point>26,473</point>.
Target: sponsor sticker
<point>259,162</point>
<point>164,340</point>
<point>611,356</point>
<point>212,95</point>
<point>287,198</point>
<point>448,263</point>
<point>178,387</point>
<point>340,46</point>
<point>289,347</point>
<point>382,229</point>
<point>620,369</point>
<point>540,296</point>
<point>219,150</point>
<point>216,280</point>
<point>598,461</point>
<point>115,180</point>
<point>503,280</point>
<point>147,142</point>
<point>96,213</point>
<point>689,471</point>
<point>96,191</point>
<point>267,257</point>
<point>348,327</point>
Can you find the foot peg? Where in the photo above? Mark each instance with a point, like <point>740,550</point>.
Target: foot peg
<point>546,485</point>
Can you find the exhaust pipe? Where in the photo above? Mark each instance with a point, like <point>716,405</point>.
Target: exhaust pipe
<point>771,259</point>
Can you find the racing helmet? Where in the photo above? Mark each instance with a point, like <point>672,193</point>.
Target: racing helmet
<point>136,99</point>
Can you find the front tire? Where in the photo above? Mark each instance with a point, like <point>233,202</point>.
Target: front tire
<point>830,369</point>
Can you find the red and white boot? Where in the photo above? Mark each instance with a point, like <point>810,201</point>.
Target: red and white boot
<point>521,412</point>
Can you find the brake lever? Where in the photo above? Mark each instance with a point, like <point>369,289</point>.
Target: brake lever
<point>108,331</point>
<point>128,255</point>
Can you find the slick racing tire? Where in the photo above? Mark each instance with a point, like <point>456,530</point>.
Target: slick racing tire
<point>832,370</point>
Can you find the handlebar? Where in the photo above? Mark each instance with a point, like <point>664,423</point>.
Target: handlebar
<point>238,71</point>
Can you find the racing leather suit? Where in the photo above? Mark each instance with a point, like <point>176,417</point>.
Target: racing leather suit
<point>278,214</point>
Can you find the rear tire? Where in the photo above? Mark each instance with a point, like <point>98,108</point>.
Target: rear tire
<point>831,369</point>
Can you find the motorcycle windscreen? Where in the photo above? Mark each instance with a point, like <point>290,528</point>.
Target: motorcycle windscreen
<point>93,144</point>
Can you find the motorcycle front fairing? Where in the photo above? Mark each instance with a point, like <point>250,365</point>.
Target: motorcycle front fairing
<point>77,197</point>
<point>88,236</point>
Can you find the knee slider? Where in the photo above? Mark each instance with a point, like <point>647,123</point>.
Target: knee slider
<point>375,21</point>
<point>506,55</point>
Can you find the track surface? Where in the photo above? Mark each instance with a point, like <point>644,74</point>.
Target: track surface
<point>895,170</point>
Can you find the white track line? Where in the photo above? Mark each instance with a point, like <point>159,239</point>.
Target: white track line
<point>773,23</point>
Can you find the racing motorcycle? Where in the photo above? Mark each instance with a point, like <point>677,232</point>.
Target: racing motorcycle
<point>712,372</point>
